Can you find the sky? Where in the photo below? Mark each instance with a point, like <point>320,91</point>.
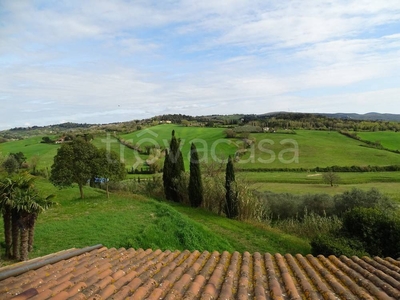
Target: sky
<point>102,61</point>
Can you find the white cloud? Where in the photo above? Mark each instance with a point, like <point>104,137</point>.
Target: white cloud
<point>119,60</point>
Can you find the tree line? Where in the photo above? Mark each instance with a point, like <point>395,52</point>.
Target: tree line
<point>173,179</point>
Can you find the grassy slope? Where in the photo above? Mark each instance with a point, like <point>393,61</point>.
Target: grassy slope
<point>252,237</point>
<point>318,149</point>
<point>206,140</point>
<point>30,147</point>
<point>388,139</point>
<point>139,222</point>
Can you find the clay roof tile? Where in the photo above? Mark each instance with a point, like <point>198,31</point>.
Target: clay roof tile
<point>154,274</point>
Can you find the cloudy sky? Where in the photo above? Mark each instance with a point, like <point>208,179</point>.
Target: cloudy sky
<point>101,61</point>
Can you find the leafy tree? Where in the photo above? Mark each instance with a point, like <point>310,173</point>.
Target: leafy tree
<point>195,183</point>
<point>378,230</point>
<point>73,163</point>
<point>20,157</point>
<point>359,198</point>
<point>231,199</point>
<point>109,167</point>
<point>34,162</point>
<point>46,140</point>
<point>330,178</point>
<point>11,165</point>
<point>230,133</point>
<point>173,168</point>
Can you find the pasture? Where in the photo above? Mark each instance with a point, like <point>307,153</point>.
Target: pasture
<point>388,139</point>
<point>126,220</point>
<point>270,150</point>
<point>314,149</point>
<point>306,149</point>
<point>30,147</point>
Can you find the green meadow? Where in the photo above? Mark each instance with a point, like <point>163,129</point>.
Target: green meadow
<point>30,147</point>
<point>305,149</point>
<point>388,139</point>
<point>315,149</point>
<point>126,220</point>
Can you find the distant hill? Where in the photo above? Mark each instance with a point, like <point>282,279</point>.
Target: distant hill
<point>208,120</point>
<point>371,116</point>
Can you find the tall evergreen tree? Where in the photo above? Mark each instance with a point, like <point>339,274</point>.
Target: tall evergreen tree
<point>173,168</point>
<point>195,184</point>
<point>231,203</point>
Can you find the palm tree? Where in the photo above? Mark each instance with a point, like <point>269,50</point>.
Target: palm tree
<point>20,204</point>
<point>29,204</point>
<point>6,188</point>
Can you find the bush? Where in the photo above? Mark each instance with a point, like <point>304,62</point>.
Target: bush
<point>378,230</point>
<point>358,198</point>
<point>332,244</point>
<point>310,225</point>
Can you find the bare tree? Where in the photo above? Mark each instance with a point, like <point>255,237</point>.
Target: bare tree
<point>331,178</point>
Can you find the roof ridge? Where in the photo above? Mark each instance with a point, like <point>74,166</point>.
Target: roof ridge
<point>36,263</point>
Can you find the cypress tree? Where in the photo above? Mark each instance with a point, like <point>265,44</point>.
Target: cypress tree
<point>195,184</point>
<point>231,205</point>
<point>173,167</point>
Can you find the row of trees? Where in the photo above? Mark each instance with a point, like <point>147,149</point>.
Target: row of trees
<point>173,178</point>
<point>81,162</point>
<point>20,205</point>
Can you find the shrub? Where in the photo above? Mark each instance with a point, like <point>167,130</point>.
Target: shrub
<point>332,244</point>
<point>379,231</point>
<point>310,225</point>
<point>358,198</point>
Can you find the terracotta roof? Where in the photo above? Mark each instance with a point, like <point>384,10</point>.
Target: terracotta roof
<point>102,273</point>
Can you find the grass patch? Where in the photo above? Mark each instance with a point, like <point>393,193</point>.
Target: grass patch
<point>316,178</point>
<point>248,236</point>
<point>30,147</point>
<point>388,139</point>
<point>139,222</point>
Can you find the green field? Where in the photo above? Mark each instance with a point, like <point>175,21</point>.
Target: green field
<point>30,147</point>
<point>136,221</point>
<point>388,139</point>
<point>210,142</point>
<point>305,149</point>
<point>316,178</point>
<point>315,149</point>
